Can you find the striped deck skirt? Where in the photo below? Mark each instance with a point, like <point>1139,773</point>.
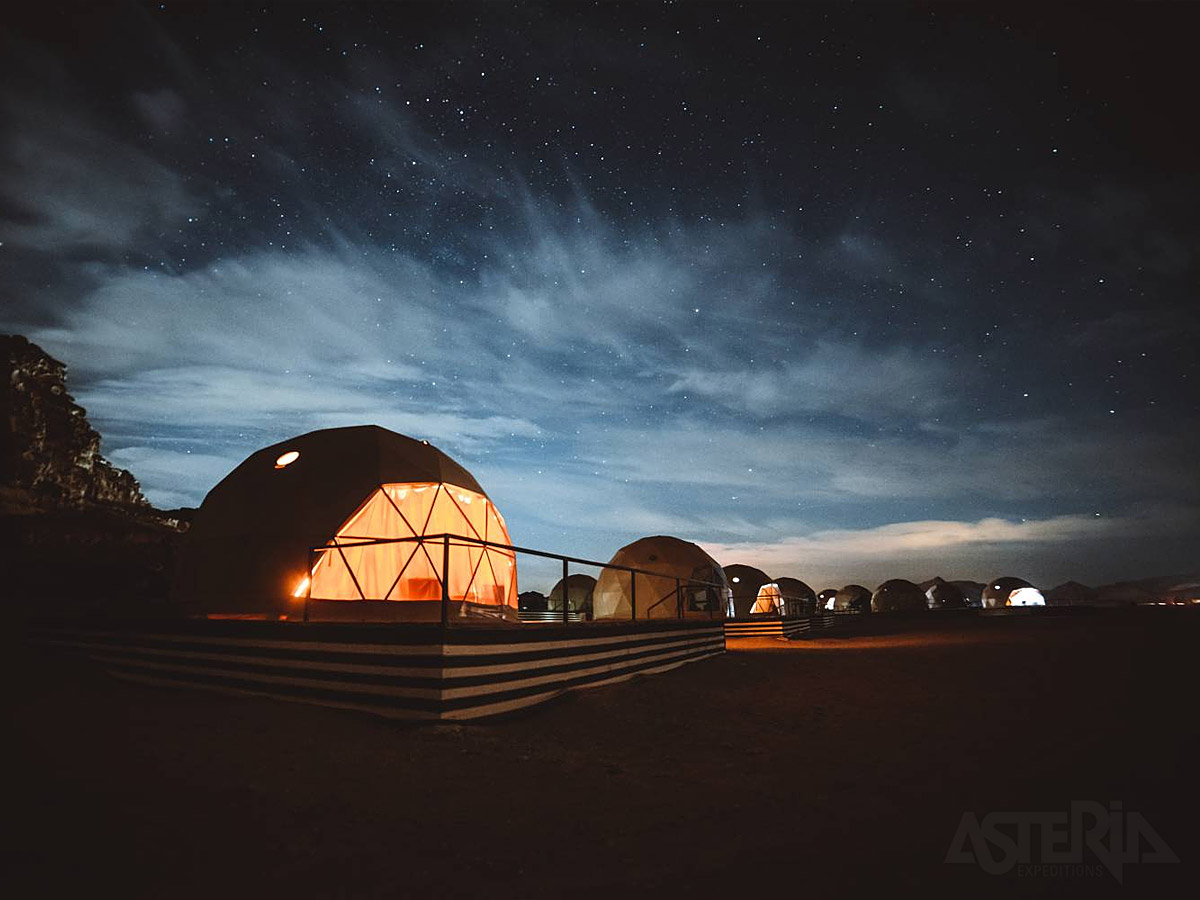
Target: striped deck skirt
<point>401,671</point>
<point>774,626</point>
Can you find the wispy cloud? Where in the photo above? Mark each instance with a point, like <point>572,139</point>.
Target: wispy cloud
<point>1047,551</point>
<point>68,186</point>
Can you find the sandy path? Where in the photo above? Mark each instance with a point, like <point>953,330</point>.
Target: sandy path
<point>832,766</point>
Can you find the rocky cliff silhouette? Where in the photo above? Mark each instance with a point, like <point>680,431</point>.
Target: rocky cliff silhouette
<point>76,534</point>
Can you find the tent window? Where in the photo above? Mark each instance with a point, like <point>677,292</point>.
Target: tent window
<point>412,570</point>
<point>286,459</point>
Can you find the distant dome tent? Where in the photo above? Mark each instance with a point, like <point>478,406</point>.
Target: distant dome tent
<point>1070,593</point>
<point>745,583</point>
<point>942,594</point>
<point>1002,592</point>
<point>531,601</point>
<point>703,591</point>
<point>580,588</point>
<point>798,598</point>
<point>852,597</point>
<point>898,595</point>
<point>350,493</point>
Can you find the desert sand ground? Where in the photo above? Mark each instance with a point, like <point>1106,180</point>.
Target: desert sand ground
<point>832,767</point>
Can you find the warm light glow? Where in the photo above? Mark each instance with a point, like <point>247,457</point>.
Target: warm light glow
<point>769,600</point>
<point>302,587</point>
<point>412,570</point>
<point>287,459</point>
<point>1026,596</point>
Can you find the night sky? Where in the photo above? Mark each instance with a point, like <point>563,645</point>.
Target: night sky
<point>845,292</point>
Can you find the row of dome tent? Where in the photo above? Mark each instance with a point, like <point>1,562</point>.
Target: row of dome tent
<point>750,591</point>
<point>899,595</point>
<point>364,514</point>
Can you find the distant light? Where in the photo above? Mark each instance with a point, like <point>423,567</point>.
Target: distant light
<point>287,459</point>
<point>736,579</point>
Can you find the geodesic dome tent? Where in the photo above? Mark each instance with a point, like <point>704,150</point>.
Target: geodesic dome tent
<point>351,493</point>
<point>898,595</point>
<point>703,591</point>
<point>744,584</point>
<point>852,597</point>
<point>769,601</point>
<point>580,588</point>
<point>942,594</point>
<point>1000,592</point>
<point>798,598</point>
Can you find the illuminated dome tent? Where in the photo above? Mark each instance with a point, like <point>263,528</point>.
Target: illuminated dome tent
<point>745,582</point>
<point>702,582</point>
<point>852,597</point>
<point>580,588</point>
<point>798,598</point>
<point>1009,591</point>
<point>769,601</point>
<point>898,595</point>
<point>248,551</point>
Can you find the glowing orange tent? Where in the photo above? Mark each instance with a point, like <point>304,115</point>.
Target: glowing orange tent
<point>363,497</point>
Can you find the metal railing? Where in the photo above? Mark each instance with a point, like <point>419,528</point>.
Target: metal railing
<point>458,540</point>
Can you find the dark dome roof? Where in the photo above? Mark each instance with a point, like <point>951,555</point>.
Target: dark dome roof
<point>942,594</point>
<point>795,589</point>
<point>853,596</point>
<point>745,588</point>
<point>898,595</point>
<point>745,581</point>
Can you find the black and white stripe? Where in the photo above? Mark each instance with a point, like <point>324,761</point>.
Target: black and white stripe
<point>776,627</point>
<point>400,671</point>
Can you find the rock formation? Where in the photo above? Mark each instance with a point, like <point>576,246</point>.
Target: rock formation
<point>76,532</point>
<point>49,454</point>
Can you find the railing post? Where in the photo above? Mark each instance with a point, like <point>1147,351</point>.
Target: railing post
<point>565,602</point>
<point>678,600</point>
<point>633,595</point>
<point>308,587</point>
<point>445,581</point>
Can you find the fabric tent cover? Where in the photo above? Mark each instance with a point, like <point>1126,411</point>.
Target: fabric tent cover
<point>247,551</point>
<point>769,600</point>
<point>707,595</point>
<point>413,570</point>
<point>1028,596</point>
